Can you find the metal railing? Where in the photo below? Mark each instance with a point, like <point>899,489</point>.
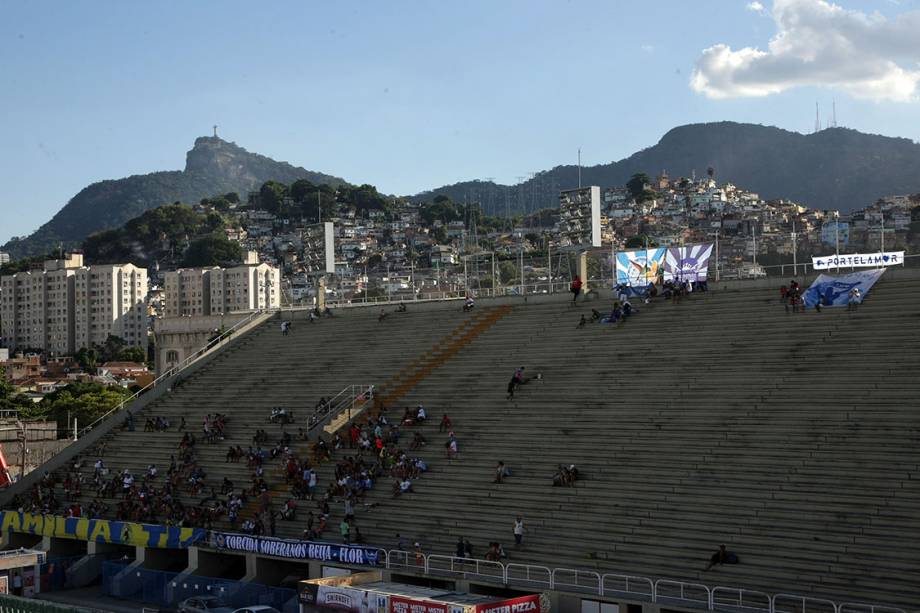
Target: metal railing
<point>720,599</point>
<point>351,400</point>
<point>214,343</point>
<point>738,600</point>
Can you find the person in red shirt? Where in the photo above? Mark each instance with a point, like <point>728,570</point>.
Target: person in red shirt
<point>575,288</point>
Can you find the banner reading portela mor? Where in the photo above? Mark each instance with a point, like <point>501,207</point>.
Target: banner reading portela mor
<point>858,260</point>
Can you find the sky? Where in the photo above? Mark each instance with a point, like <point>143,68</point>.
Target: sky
<point>411,95</point>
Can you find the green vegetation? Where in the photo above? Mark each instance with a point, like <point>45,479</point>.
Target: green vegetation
<point>85,401</point>
<point>640,241</point>
<point>213,250</point>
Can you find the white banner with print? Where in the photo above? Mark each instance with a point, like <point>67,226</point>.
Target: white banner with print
<point>858,260</point>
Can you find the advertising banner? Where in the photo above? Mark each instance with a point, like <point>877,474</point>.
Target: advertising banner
<point>689,263</point>
<point>296,550</point>
<point>835,291</point>
<point>346,599</point>
<point>523,604</point>
<point>858,260</point>
<point>639,268</point>
<point>398,604</point>
<point>101,530</point>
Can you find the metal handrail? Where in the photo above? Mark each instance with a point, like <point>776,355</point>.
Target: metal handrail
<point>734,599</point>
<point>577,586</point>
<point>650,594</point>
<point>461,566</point>
<point>346,400</point>
<point>852,607</point>
<point>684,586</point>
<point>528,569</point>
<point>510,574</point>
<point>801,603</point>
<point>172,371</point>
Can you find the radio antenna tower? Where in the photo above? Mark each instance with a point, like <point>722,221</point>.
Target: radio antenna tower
<point>834,114</point>
<point>817,118</point>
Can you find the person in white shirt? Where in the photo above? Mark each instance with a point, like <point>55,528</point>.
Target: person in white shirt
<point>519,531</point>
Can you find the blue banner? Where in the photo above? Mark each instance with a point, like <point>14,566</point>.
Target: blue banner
<point>296,550</point>
<point>641,267</point>
<point>835,291</point>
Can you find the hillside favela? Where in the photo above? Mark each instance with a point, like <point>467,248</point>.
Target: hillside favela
<point>674,370</point>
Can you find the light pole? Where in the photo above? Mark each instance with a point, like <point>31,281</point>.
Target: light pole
<point>795,252</point>
<point>754,236</point>
<point>837,239</point>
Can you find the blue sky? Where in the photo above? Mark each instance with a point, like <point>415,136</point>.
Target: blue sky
<point>412,95</point>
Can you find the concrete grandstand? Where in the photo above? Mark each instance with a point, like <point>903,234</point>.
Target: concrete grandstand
<point>790,437</point>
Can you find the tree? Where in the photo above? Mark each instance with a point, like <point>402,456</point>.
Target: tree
<point>271,196</point>
<point>133,354</point>
<point>212,250</point>
<point>636,184</point>
<point>88,359</point>
<point>640,241</point>
<point>507,272</point>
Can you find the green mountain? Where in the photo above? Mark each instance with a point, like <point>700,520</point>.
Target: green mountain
<point>836,168</point>
<point>213,166</point>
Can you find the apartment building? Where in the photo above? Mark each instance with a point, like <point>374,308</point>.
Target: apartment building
<point>110,300</point>
<point>187,291</point>
<point>193,292</point>
<point>67,306</point>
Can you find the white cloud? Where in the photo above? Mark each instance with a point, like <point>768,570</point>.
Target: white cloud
<point>755,6</point>
<point>648,48</point>
<point>818,43</point>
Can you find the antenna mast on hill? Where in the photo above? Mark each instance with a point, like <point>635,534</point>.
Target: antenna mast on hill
<point>834,114</point>
<point>817,118</point>
<point>215,130</point>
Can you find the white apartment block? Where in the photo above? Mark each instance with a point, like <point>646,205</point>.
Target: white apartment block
<point>110,300</point>
<point>67,306</point>
<point>214,291</point>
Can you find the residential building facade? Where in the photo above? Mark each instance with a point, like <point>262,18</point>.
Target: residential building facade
<point>67,306</point>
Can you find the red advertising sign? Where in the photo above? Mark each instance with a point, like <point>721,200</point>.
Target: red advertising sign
<point>523,604</point>
<point>398,604</point>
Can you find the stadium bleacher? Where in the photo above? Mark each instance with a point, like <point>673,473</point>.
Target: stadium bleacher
<point>790,437</point>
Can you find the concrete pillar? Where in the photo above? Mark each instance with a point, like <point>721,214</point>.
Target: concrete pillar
<point>252,570</point>
<point>583,271</point>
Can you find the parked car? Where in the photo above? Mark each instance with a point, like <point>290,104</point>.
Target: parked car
<point>257,609</point>
<point>204,604</point>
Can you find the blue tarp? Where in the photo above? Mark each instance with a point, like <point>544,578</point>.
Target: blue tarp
<point>835,291</point>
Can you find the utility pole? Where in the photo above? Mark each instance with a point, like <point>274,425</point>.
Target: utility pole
<point>754,236</point>
<point>523,289</point>
<point>579,168</point>
<point>795,258</point>
<point>837,238</point>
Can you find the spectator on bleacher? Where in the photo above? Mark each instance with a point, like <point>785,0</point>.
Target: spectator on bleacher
<point>783,294</point>
<point>452,450</point>
<point>418,441</point>
<point>492,554</point>
<point>460,549</point>
<point>501,471</point>
<point>628,309</point>
<point>854,298</point>
<point>582,322</point>
<point>575,288</point>
<point>289,510</point>
<point>345,531</point>
<point>181,423</point>
<point>469,304</point>
<point>446,424</point>
<point>518,531</point>
<point>722,556</point>
<point>382,315</point>
<point>467,548</point>
<point>401,308</point>
<point>420,415</point>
